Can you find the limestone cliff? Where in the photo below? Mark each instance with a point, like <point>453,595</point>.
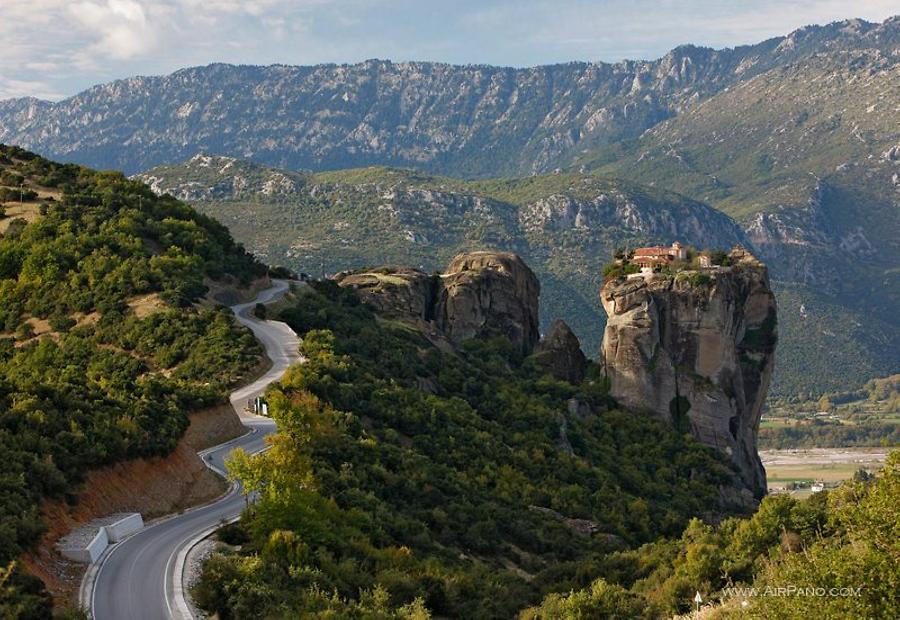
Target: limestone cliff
<point>697,351</point>
<point>481,295</point>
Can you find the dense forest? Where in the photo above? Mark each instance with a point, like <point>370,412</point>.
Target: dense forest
<point>834,555</point>
<point>409,479</point>
<point>867,417</point>
<point>823,434</point>
<point>87,376</point>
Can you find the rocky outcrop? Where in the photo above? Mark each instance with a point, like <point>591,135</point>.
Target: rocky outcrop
<point>481,295</point>
<point>559,353</point>
<point>487,294</point>
<point>697,351</point>
<point>394,291</point>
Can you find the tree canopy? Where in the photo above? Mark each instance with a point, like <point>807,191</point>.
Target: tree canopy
<point>457,484</point>
<point>85,380</point>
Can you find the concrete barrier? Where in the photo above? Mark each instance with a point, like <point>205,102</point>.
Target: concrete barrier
<point>87,553</point>
<point>87,543</point>
<point>124,527</point>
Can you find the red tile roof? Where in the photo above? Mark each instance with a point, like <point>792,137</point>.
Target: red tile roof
<point>652,251</point>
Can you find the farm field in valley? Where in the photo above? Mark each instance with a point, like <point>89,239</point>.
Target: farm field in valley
<point>802,467</point>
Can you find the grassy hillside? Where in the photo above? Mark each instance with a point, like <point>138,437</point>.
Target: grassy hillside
<point>102,348</point>
<point>754,146</point>
<point>405,478</point>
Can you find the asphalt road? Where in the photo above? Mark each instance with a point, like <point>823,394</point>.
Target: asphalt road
<point>139,577</point>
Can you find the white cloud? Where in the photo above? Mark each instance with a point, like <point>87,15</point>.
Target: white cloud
<point>615,29</point>
<point>120,28</point>
<point>12,88</point>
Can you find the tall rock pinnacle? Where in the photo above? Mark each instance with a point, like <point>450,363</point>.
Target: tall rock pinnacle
<point>697,350</point>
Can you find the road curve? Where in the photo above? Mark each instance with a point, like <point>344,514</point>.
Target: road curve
<point>137,577</point>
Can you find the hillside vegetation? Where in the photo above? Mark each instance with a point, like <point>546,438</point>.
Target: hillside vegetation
<point>834,555</point>
<point>407,481</point>
<point>406,478</point>
<point>102,348</point>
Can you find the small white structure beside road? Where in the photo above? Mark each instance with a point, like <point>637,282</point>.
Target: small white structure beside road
<point>88,542</point>
<point>124,527</point>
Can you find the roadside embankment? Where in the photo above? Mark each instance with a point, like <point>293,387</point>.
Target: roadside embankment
<point>152,487</point>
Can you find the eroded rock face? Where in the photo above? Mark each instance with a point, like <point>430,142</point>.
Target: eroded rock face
<point>487,294</point>
<point>559,353</point>
<point>481,295</point>
<point>699,355</point>
<point>396,291</point>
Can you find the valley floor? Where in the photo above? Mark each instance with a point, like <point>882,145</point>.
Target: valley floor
<point>795,471</point>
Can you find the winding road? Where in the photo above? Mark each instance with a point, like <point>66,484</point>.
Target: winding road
<point>140,578</point>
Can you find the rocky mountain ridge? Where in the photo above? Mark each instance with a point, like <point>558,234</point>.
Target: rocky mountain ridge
<point>224,178</point>
<point>473,120</point>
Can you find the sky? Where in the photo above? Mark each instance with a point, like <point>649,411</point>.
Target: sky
<point>52,49</point>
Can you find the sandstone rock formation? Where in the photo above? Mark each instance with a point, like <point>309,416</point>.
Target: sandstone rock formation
<point>394,291</point>
<point>697,351</point>
<point>559,353</point>
<point>486,294</point>
<point>481,295</point>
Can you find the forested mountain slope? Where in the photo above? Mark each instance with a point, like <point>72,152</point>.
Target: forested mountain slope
<point>565,225</point>
<point>411,473</point>
<point>102,348</point>
<point>471,121</point>
<point>833,555</point>
<point>411,478</point>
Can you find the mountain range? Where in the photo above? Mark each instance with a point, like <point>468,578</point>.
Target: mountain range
<point>794,139</point>
<point>471,121</point>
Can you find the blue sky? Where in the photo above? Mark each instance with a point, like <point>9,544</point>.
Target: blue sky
<point>55,48</point>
